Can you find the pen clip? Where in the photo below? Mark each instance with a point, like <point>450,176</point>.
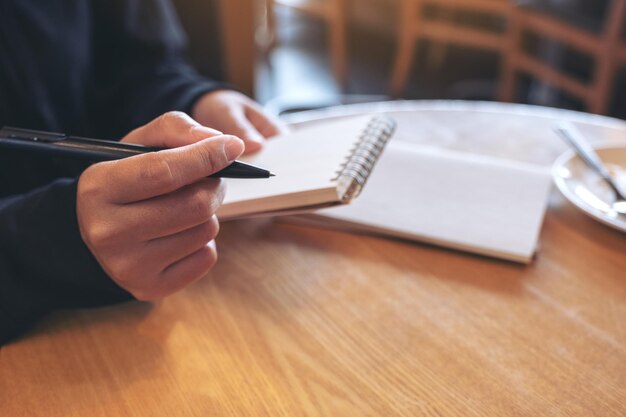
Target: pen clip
<point>31,135</point>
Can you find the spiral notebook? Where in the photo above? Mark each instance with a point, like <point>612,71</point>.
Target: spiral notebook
<point>319,166</point>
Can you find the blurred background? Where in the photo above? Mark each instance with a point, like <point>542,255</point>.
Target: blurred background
<point>298,54</point>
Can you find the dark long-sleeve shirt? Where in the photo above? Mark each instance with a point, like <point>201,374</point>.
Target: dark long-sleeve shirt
<point>95,68</point>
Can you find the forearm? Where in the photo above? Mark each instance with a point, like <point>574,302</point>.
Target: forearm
<point>44,264</point>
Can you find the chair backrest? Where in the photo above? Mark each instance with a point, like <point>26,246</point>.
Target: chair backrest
<point>602,46</point>
<point>416,23</point>
<point>445,30</point>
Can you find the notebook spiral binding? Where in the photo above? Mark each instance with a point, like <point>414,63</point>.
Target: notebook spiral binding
<point>353,174</point>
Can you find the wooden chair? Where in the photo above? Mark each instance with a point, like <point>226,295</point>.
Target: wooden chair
<point>605,47</point>
<point>335,14</point>
<point>237,36</point>
<point>416,25</point>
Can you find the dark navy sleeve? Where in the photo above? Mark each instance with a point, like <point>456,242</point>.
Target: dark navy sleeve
<point>141,71</point>
<point>114,65</point>
<point>44,264</point>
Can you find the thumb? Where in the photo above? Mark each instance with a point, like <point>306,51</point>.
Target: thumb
<point>149,175</point>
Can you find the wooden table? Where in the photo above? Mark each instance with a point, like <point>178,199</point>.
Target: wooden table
<point>296,321</point>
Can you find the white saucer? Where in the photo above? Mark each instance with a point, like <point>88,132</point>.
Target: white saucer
<point>586,189</point>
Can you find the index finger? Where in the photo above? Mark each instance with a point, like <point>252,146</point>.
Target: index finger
<point>149,175</point>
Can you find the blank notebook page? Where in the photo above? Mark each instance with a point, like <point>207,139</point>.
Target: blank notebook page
<point>480,204</point>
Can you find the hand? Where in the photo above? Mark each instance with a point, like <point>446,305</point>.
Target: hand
<point>150,220</point>
<point>235,114</point>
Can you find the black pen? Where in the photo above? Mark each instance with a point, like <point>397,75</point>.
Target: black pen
<point>96,150</point>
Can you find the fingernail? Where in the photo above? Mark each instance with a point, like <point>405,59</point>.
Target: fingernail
<point>233,148</point>
<point>202,132</point>
<point>256,138</point>
<point>254,135</point>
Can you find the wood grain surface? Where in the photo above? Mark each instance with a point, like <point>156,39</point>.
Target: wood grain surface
<point>297,321</point>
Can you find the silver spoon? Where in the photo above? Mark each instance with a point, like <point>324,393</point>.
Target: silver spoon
<point>575,139</point>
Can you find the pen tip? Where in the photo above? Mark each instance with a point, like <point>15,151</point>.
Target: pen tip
<point>272,174</point>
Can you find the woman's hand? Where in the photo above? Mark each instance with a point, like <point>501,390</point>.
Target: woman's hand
<point>235,114</point>
<point>150,219</point>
